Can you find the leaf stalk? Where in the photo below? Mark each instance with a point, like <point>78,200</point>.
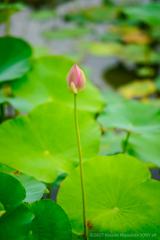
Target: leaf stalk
<point>50,191</point>
<point>126,142</point>
<point>8,24</point>
<point>2,112</point>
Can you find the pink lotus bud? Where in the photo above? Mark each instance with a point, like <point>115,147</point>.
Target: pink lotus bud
<point>76,80</point>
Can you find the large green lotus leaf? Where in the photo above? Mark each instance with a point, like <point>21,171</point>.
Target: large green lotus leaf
<point>6,169</point>
<point>13,58</point>
<point>12,193</point>
<point>44,145</point>
<point>111,143</point>
<point>7,11</point>
<point>15,221</point>
<point>132,116</point>
<point>145,147</point>
<point>39,220</point>
<point>16,225</point>
<point>112,97</point>
<point>50,222</point>
<point>120,197</point>
<point>47,81</point>
<point>34,188</point>
<point>145,13</point>
<point>66,33</point>
<point>77,237</point>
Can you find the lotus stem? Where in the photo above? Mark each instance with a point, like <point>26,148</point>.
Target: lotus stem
<point>81,168</point>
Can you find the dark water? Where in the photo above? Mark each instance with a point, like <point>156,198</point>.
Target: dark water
<point>155,173</point>
<point>121,74</point>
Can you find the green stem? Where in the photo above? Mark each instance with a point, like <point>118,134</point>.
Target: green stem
<point>2,112</point>
<point>8,24</point>
<point>126,142</point>
<point>50,190</point>
<point>81,168</point>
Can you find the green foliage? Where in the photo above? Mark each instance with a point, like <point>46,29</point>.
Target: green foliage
<point>43,14</point>
<point>112,97</point>
<point>34,189</point>
<point>19,103</point>
<point>12,193</point>
<point>137,89</point>
<point>48,136</point>
<point>66,33</point>
<point>100,14</point>
<point>47,81</point>
<point>15,221</point>
<point>42,146</point>
<point>145,147</point>
<point>50,221</point>
<point>29,221</point>
<point>2,210</point>
<point>133,53</point>
<point>40,51</point>
<point>110,37</point>
<point>77,237</point>
<point>59,180</point>
<point>103,49</point>
<point>94,14</point>
<point>7,10</point>
<point>119,192</point>
<point>132,116</point>
<point>16,225</point>
<point>157,82</point>
<point>13,58</point>
<point>75,56</point>
<point>111,143</point>
<point>139,54</point>
<point>148,13</point>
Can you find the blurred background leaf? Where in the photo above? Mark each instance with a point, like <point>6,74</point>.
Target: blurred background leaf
<point>14,58</point>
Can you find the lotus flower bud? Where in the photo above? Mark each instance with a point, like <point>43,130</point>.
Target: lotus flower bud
<point>76,80</point>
